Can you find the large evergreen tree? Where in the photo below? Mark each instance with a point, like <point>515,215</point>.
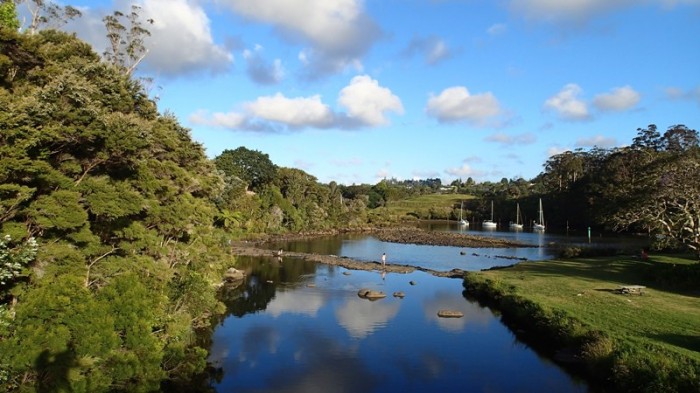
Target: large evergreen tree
<point>120,201</point>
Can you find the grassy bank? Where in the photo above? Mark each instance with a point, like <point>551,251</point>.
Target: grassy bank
<point>621,342</point>
<point>432,206</point>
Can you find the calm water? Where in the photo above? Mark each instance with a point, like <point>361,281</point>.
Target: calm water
<point>310,332</point>
<point>298,326</point>
<point>442,258</point>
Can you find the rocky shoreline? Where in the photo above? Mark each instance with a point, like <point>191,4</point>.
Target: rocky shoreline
<point>408,235</point>
<point>404,235</point>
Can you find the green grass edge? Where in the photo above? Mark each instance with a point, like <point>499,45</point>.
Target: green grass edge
<point>607,360</point>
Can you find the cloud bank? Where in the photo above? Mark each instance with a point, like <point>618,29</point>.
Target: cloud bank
<point>366,104</point>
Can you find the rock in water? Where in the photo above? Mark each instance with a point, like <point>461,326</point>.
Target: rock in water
<point>233,275</point>
<point>450,314</point>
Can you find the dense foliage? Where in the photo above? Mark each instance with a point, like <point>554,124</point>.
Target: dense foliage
<point>121,204</point>
<point>651,186</point>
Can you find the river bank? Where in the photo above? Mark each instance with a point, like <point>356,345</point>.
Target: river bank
<point>575,312</point>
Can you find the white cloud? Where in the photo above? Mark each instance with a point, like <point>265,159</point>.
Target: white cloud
<point>181,40</point>
<point>505,139</point>
<point>219,119</point>
<point>567,104</point>
<point>432,49</point>
<point>675,93</point>
<point>464,171</point>
<point>298,112</point>
<point>261,71</point>
<point>556,149</point>
<point>580,10</point>
<point>338,31</point>
<point>557,10</point>
<point>618,99</point>
<point>367,102</point>
<point>598,140</point>
<point>456,104</point>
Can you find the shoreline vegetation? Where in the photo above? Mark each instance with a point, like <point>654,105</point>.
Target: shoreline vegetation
<point>570,310</point>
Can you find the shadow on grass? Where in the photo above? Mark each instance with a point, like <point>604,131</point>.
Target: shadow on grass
<point>691,343</point>
<point>622,270</point>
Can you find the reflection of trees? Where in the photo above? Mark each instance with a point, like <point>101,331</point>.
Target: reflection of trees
<point>263,276</point>
<point>330,245</point>
<point>254,295</point>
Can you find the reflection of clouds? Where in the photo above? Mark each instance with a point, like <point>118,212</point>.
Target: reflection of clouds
<point>328,366</point>
<point>255,341</point>
<point>427,366</point>
<point>298,302</point>
<point>444,300</point>
<point>361,317</point>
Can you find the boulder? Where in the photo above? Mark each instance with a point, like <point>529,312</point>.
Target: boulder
<point>370,294</point>
<point>233,275</point>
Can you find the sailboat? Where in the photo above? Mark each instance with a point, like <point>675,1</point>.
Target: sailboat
<point>517,224</point>
<point>461,220</point>
<point>489,223</point>
<point>539,225</point>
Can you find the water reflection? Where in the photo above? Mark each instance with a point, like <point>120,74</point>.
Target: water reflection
<point>445,300</point>
<point>303,328</point>
<point>361,319</point>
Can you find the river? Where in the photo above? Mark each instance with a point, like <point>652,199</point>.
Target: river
<point>298,326</point>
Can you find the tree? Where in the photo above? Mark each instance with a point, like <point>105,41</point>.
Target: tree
<point>126,46</point>
<point>679,138</point>
<point>121,200</point>
<point>49,14</point>
<point>8,15</point>
<point>647,138</point>
<point>668,204</point>
<point>254,167</point>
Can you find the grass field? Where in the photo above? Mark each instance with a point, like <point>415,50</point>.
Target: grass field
<point>660,328</point>
<point>437,206</point>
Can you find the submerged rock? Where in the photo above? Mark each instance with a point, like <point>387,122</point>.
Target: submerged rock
<point>450,314</point>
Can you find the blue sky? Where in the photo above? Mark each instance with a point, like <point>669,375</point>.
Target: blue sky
<point>356,91</point>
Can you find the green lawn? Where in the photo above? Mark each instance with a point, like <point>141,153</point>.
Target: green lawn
<point>435,205</point>
<point>586,289</point>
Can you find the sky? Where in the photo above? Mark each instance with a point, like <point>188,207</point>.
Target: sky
<point>356,91</point>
